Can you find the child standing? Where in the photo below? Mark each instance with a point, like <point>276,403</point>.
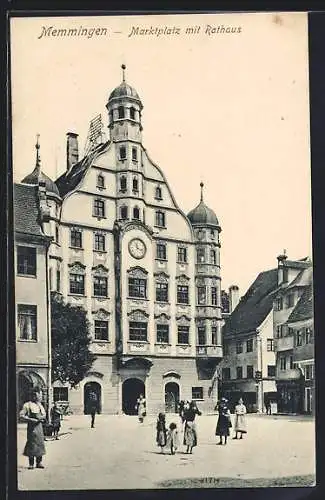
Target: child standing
<point>172,438</point>
<point>56,416</point>
<point>161,437</point>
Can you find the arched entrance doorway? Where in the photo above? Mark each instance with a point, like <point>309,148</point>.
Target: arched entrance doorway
<point>88,388</point>
<point>171,397</point>
<point>26,382</point>
<point>131,390</point>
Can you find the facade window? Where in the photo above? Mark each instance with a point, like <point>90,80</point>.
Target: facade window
<point>214,295</point>
<point>201,335</point>
<point>249,371</point>
<point>283,363</point>
<point>134,154</point>
<point>309,335</point>
<point>182,294</point>
<point>279,304</point>
<point>138,331</point>
<point>124,212</point>
<point>161,251</point>
<point>60,394</point>
<point>57,234</point>
<point>122,153</point>
<point>213,257</point>
<point>212,234</point>
<point>181,254</point>
<point>77,284</point>
<point>239,372</point>
<point>27,322</point>
<point>160,219</point>
<point>163,334</point>
<point>138,288</point>
<point>99,208</point>
<point>132,113</point>
<point>249,345</point>
<point>309,372</point>
<point>197,393</point>
<point>121,113</point>
<point>123,183</point>
<point>183,333</point>
<point>200,255</point>
<point>299,338</point>
<point>26,261</point>
<point>136,213</point>
<point>270,345</point>
<point>158,194</point>
<point>135,185</point>
<point>100,181</point>
<point>101,330</point>
<point>290,300</point>
<point>75,238</point>
<point>99,242</point>
<point>271,370</point>
<point>214,334</point>
<point>225,373</point>
<point>291,361</point>
<point>279,331</point>
<point>239,347</point>
<point>226,349</point>
<point>58,280</point>
<point>162,292</point>
<point>201,295</point>
<point>100,286</point>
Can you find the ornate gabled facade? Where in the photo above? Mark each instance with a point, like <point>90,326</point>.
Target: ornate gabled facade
<point>147,274</point>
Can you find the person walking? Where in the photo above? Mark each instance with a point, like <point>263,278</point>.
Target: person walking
<point>172,438</point>
<point>141,407</point>
<point>240,419</point>
<point>56,415</point>
<point>190,431</point>
<point>161,436</point>
<point>224,420</point>
<point>33,413</point>
<point>93,407</point>
<point>267,403</point>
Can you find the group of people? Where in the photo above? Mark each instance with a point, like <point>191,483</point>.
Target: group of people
<point>224,420</point>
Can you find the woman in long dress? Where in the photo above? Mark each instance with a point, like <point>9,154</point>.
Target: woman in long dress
<point>141,407</point>
<point>240,419</point>
<point>224,420</point>
<point>33,413</point>
<point>161,435</point>
<point>190,432</point>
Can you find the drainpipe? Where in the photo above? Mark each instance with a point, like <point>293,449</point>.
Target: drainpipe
<point>49,344</point>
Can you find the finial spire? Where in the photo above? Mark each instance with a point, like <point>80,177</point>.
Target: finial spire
<point>37,146</point>
<point>201,185</point>
<point>123,71</point>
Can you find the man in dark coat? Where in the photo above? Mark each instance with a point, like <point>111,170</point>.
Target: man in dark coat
<point>93,406</point>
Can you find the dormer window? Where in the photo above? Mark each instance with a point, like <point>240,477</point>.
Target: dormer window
<point>121,113</point>
<point>122,153</point>
<point>124,212</point>
<point>134,154</point>
<point>100,181</point>
<point>158,194</point>
<point>123,184</point>
<point>132,113</point>
<point>136,213</point>
<point>135,184</point>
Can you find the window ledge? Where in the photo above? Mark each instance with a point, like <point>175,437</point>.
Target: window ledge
<point>76,295</point>
<point>161,303</point>
<point>76,248</point>
<point>197,399</point>
<point>100,297</point>
<point>138,342</point>
<point>184,345</point>
<point>99,251</point>
<point>161,260</point>
<point>97,341</point>
<point>138,298</point>
<point>160,227</point>
<point>99,217</point>
<point>163,343</point>
<point>32,341</point>
<point>181,262</point>
<point>183,304</point>
<point>23,275</point>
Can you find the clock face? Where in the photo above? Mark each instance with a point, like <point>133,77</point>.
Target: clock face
<point>137,248</point>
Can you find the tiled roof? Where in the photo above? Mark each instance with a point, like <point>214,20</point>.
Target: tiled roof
<point>304,307</point>
<point>26,214</point>
<point>303,279</point>
<point>255,305</point>
<point>69,181</point>
<point>297,264</point>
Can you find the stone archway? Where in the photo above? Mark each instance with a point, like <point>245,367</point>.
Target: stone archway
<point>131,390</point>
<point>96,388</point>
<point>28,380</point>
<point>171,397</point>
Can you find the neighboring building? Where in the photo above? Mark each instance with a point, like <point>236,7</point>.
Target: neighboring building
<point>293,331</point>
<point>31,244</point>
<point>248,366</point>
<point>147,274</point>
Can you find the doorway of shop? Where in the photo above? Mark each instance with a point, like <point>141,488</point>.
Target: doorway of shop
<point>131,390</point>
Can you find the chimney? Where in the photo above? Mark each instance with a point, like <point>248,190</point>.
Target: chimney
<point>72,150</point>
<point>233,297</point>
<point>282,271</point>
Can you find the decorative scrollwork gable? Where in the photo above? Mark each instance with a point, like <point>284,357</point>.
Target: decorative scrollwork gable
<point>77,267</point>
<point>183,319</point>
<point>162,318</point>
<point>101,314</point>
<point>99,270</point>
<point>182,278</point>
<point>161,277</point>
<point>137,272</point>
<point>138,315</point>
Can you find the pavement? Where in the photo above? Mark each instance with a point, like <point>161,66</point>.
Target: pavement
<point>121,453</point>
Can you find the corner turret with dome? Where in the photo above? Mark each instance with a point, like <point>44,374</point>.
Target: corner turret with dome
<point>37,177</point>
<point>203,215</point>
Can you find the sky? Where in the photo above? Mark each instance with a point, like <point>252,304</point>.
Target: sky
<point>228,109</point>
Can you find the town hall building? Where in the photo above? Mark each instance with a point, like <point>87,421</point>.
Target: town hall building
<point>147,274</point>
